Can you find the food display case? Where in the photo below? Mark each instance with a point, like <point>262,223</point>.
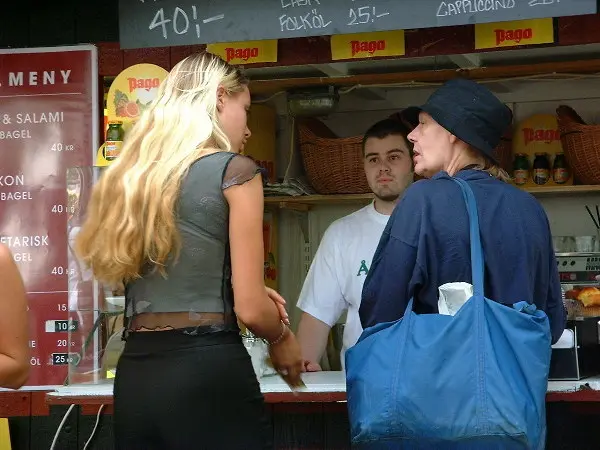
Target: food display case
<point>577,354</point>
<point>95,312</point>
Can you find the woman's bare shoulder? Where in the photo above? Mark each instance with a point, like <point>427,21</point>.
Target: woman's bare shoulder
<point>10,276</point>
<point>5,253</point>
<point>6,258</point>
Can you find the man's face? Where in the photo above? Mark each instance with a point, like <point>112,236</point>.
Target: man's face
<point>388,166</point>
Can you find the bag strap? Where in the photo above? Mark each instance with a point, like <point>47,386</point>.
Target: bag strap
<point>477,263</point>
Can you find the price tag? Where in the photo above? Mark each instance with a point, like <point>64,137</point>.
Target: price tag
<point>62,359</point>
<point>61,326</point>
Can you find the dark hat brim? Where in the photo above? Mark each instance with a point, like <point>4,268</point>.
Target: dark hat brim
<point>410,115</point>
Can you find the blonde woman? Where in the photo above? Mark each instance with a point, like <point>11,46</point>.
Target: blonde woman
<point>178,219</point>
<point>14,324</point>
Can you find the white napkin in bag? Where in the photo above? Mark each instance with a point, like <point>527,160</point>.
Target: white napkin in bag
<point>452,296</point>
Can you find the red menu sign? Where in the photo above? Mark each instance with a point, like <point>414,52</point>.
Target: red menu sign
<point>48,123</point>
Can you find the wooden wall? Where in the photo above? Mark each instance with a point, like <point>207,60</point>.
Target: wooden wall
<point>304,426</point>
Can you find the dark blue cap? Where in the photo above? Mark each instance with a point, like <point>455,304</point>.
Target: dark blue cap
<point>469,111</point>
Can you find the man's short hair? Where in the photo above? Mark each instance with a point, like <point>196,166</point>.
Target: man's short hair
<point>385,128</point>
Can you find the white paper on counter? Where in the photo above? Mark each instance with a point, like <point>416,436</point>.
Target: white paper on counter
<point>315,382</point>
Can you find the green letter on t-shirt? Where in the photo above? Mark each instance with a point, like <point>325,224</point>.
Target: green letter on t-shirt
<point>363,268</point>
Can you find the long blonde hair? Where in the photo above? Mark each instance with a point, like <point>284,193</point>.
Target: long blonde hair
<point>487,165</point>
<point>131,217</point>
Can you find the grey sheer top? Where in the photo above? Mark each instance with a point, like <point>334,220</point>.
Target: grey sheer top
<point>198,283</point>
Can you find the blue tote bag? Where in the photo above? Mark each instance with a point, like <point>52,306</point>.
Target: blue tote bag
<point>475,380</point>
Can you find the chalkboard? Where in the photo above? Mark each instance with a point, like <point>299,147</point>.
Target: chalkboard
<point>162,23</point>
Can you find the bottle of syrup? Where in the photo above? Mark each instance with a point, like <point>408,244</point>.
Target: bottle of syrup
<point>541,169</point>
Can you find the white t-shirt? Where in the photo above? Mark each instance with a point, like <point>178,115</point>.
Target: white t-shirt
<point>335,280</point>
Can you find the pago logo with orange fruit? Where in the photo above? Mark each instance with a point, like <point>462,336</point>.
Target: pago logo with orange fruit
<point>132,91</point>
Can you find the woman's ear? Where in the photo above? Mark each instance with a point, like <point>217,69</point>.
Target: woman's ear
<point>221,94</point>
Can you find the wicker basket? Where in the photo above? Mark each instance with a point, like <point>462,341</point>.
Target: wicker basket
<point>581,144</point>
<point>333,165</point>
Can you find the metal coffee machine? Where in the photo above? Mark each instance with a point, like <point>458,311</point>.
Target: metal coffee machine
<point>577,354</point>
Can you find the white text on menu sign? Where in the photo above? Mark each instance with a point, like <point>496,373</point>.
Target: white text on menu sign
<point>454,8</point>
<point>44,78</point>
<point>296,18</point>
<point>179,21</point>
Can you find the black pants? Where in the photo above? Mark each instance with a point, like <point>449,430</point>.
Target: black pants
<point>178,392</point>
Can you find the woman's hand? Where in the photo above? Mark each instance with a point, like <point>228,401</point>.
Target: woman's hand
<point>286,358</point>
<point>280,303</point>
<point>310,366</point>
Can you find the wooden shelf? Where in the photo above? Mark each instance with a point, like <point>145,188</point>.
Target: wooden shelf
<point>319,199</point>
<point>563,190</point>
<point>272,86</point>
<point>303,202</point>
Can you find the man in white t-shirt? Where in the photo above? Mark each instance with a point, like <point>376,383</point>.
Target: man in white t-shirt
<point>336,276</point>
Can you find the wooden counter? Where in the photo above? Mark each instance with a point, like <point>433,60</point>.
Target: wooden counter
<point>317,417</point>
<point>321,387</point>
